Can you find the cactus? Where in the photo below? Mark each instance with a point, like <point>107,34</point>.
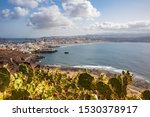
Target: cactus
<point>103,78</point>
<point>43,83</point>
<point>104,89</point>
<point>146,95</point>
<point>85,80</point>
<point>4,78</point>
<point>120,82</point>
<point>116,86</point>
<point>23,68</point>
<point>20,94</point>
<point>30,75</point>
<point>126,80</point>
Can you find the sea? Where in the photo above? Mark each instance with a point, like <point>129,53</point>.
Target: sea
<point>16,40</point>
<point>114,57</point>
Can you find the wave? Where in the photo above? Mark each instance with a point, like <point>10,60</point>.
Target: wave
<point>141,77</point>
<point>55,65</point>
<point>111,69</point>
<point>108,68</point>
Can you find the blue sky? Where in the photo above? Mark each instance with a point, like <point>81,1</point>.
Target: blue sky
<point>37,18</point>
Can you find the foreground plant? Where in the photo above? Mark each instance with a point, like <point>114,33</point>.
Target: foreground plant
<point>49,84</point>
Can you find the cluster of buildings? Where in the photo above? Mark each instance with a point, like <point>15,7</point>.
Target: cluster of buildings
<point>24,47</point>
<point>44,43</point>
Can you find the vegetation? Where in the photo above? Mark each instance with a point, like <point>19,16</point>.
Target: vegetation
<point>146,95</point>
<point>45,84</point>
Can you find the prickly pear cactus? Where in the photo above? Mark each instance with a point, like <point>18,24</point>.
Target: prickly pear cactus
<point>104,89</point>
<point>116,86</point>
<point>23,68</point>
<point>127,79</point>
<point>20,94</point>
<point>85,80</point>
<point>146,95</point>
<point>4,78</point>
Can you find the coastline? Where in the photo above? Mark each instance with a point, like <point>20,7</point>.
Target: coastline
<point>110,69</point>
<point>138,84</point>
<point>35,58</point>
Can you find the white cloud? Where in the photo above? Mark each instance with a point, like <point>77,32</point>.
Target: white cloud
<point>26,3</point>
<point>5,13</point>
<point>80,8</point>
<point>48,17</point>
<point>137,25</point>
<point>18,12</point>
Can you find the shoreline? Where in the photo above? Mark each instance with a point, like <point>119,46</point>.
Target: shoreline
<point>138,78</point>
<point>139,84</point>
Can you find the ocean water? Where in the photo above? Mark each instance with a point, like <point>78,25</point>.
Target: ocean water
<point>108,56</point>
<point>16,40</point>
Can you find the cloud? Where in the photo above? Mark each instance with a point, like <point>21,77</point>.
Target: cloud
<point>48,17</point>
<point>16,13</point>
<point>5,13</point>
<point>139,25</point>
<point>80,8</point>
<point>109,26</point>
<point>26,3</point>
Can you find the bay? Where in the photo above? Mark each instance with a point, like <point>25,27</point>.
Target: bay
<point>116,57</point>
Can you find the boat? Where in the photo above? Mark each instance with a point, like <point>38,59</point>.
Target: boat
<point>66,52</point>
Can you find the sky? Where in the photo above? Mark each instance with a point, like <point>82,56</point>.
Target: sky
<point>38,18</point>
